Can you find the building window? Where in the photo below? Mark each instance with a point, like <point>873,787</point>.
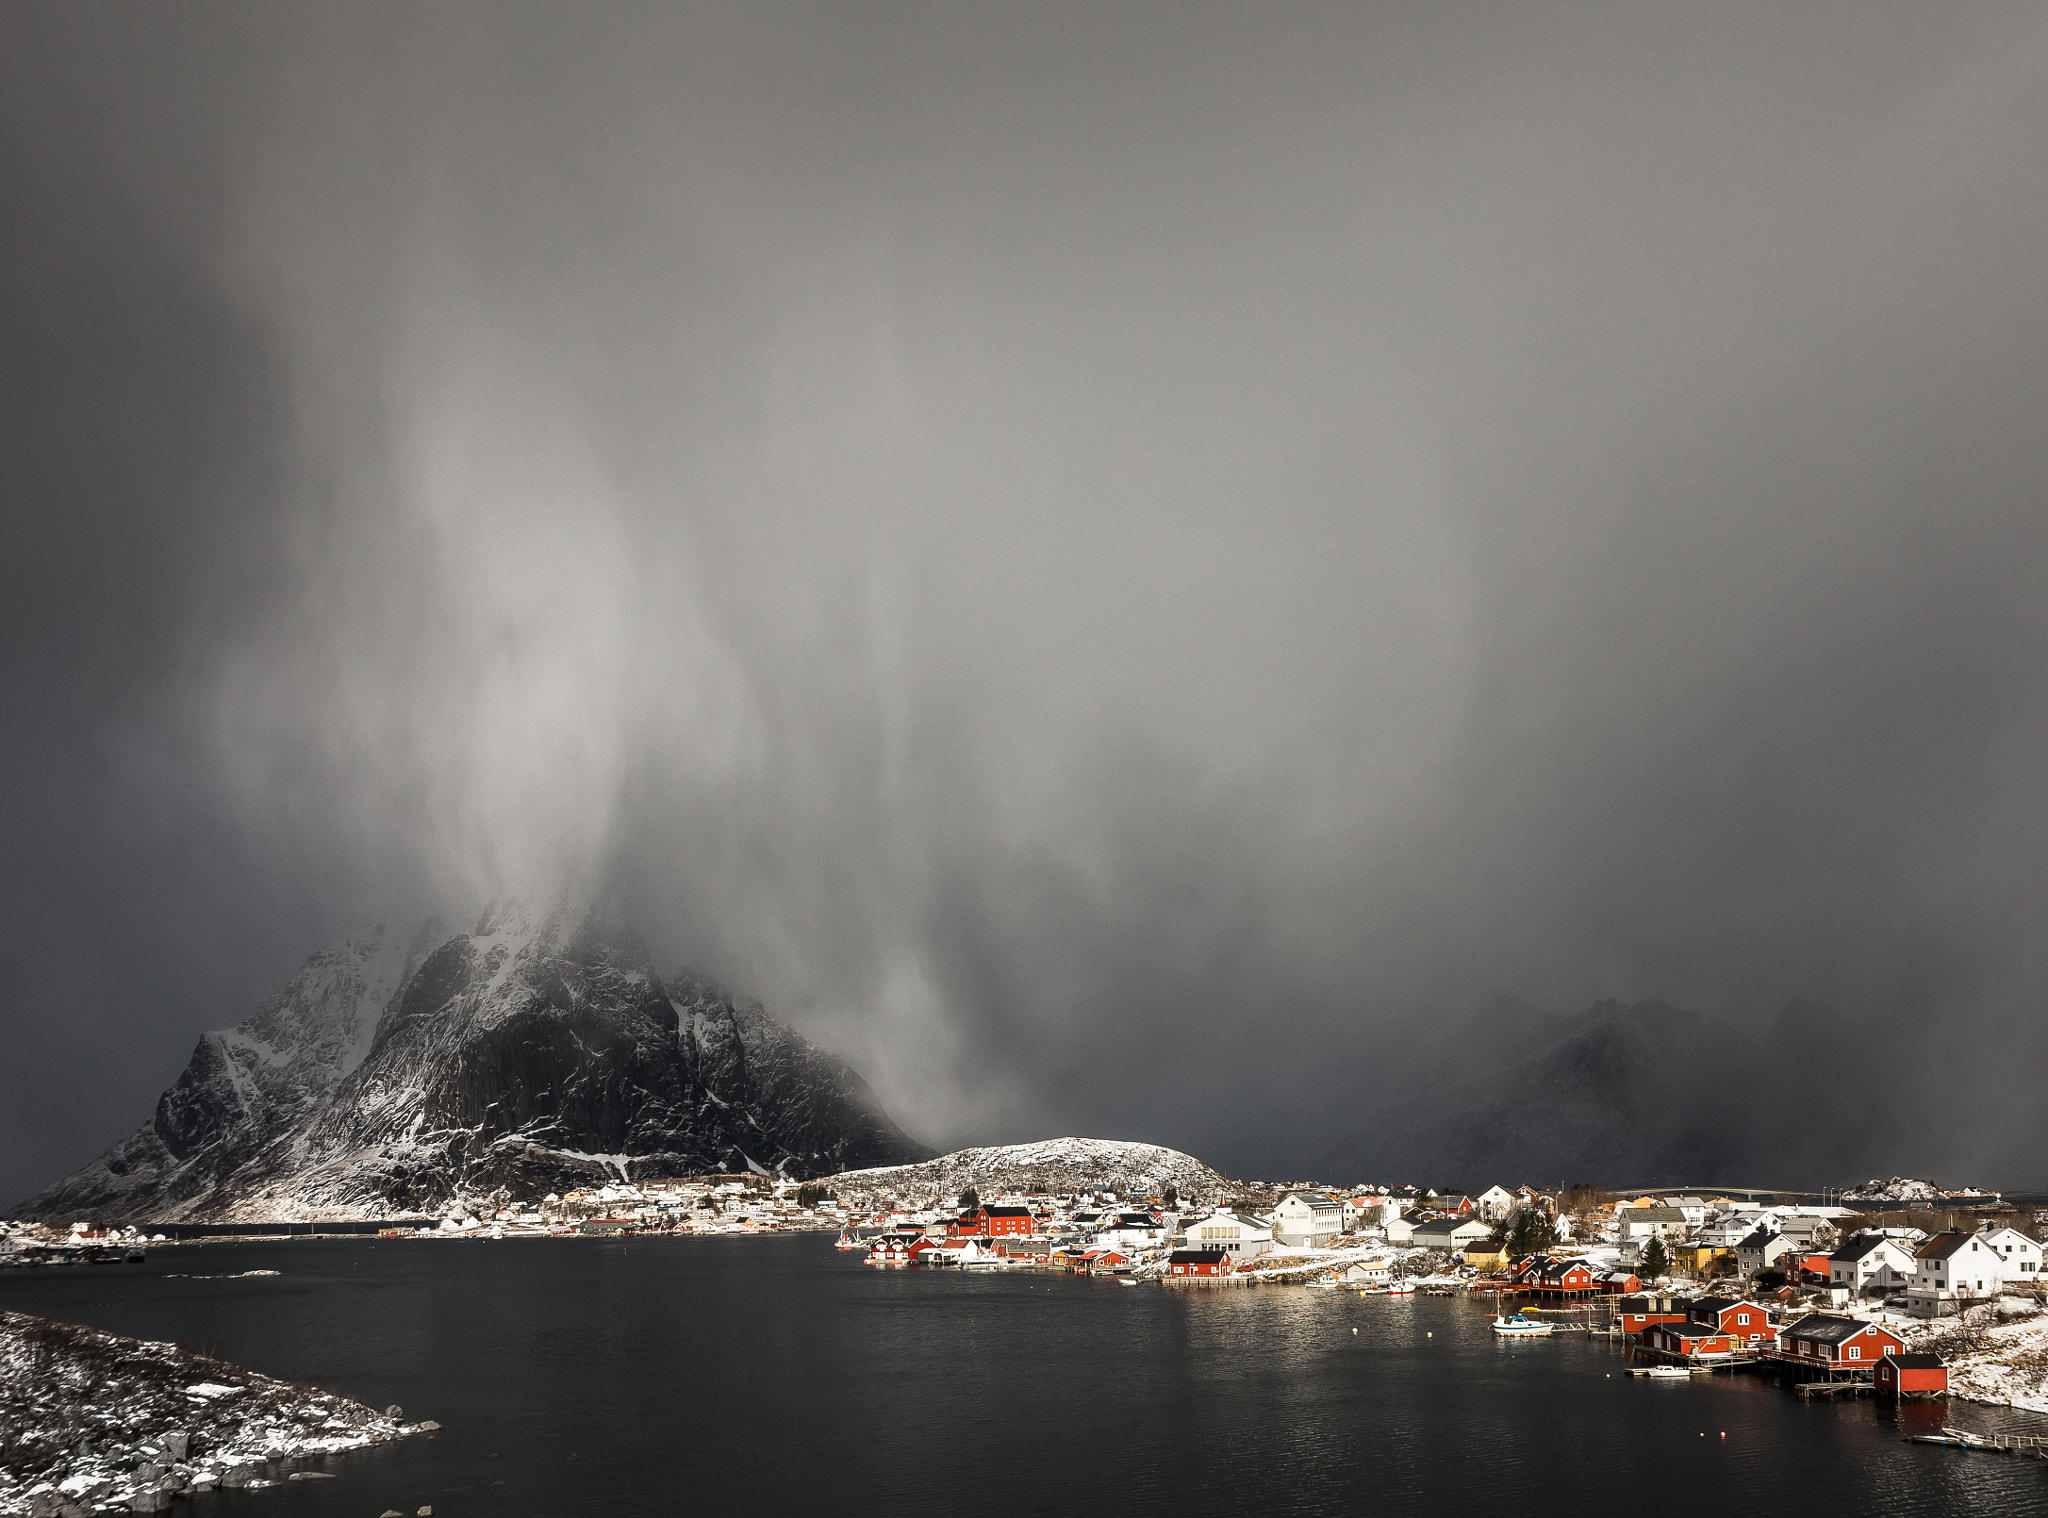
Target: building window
<point>1855,1352</point>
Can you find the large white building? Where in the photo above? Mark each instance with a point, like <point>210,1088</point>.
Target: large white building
<point>1240,1237</point>
<point>1307,1219</point>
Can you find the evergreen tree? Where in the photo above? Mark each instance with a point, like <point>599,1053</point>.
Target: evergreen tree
<point>969,1199</point>
<point>1656,1260</point>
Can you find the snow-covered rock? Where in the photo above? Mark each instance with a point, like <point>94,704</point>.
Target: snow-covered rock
<point>1902,1188</point>
<point>92,1420</point>
<point>1060,1165</point>
<point>537,1053</point>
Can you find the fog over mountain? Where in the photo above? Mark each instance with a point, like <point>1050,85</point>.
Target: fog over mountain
<point>1124,568</point>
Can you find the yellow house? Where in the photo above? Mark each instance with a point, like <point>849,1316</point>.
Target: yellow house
<point>1486,1254</point>
<point>1693,1259</point>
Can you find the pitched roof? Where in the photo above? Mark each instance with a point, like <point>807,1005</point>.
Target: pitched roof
<point>1861,1245</point>
<point>1942,1245</point>
<point>1197,1257</point>
<point>1760,1238</point>
<point>1917,1362</point>
<point>1312,1198</point>
<point>1656,1215</point>
<point>1826,1328</point>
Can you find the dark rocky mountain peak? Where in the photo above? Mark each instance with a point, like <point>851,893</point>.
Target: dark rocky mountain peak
<point>537,1052</point>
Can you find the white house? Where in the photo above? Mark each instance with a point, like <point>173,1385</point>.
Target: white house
<point>1641,1222</point>
<point>1449,1233</point>
<point>1727,1230</point>
<point>1362,1210</point>
<point>1399,1230</point>
<point>1694,1208</point>
<point>2020,1254</point>
<point>1809,1231</point>
<point>1240,1237</point>
<point>1952,1269</point>
<point>1130,1230</point>
<point>1307,1219</point>
<point>1495,1203</point>
<point>1374,1272</point>
<point>1871,1262</point>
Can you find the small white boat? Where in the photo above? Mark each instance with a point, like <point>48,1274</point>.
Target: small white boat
<point>1401,1289</point>
<point>1522,1328</point>
<point>848,1241</point>
<point>1668,1373</point>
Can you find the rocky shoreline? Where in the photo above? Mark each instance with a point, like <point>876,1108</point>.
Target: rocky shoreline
<point>91,1422</point>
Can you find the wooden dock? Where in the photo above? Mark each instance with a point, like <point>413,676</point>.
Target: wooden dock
<point>1834,1388</point>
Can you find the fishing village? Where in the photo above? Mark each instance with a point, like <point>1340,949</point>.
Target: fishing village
<point>1917,1297</point>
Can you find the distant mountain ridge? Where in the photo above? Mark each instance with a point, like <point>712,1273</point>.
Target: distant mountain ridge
<point>538,1052</point>
<point>1642,1094</point>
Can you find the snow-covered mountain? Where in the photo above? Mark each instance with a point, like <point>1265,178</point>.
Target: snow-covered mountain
<point>1055,1165</point>
<point>536,1053</point>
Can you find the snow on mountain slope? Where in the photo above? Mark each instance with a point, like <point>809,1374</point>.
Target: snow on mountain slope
<point>1055,1165</point>
<point>536,1053</point>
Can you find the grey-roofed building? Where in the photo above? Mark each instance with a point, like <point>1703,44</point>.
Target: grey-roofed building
<point>1668,1223</point>
<point>1760,1250</point>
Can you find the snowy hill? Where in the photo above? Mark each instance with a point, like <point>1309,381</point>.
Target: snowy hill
<point>536,1053</point>
<point>1056,1165</point>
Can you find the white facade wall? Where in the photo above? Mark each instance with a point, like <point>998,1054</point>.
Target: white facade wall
<point>1939,1285</point>
<point>1242,1238</point>
<point>2020,1256</point>
<point>1302,1222</point>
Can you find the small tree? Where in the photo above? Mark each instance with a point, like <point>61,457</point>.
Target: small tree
<point>1656,1259</point>
<point>969,1199</point>
<point>1172,1197</point>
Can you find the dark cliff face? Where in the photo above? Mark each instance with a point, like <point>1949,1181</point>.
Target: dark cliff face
<point>537,1053</point>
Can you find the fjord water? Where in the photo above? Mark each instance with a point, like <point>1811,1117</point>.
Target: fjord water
<point>777,1375</point>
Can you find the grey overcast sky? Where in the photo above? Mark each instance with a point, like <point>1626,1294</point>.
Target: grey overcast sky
<point>1099,558</point>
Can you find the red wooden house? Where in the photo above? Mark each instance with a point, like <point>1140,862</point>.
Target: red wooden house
<point>1828,1342</point>
<point>1638,1313</point>
<point>1562,1276</point>
<point>999,1221</point>
<point>1903,1375</point>
<point>1744,1322</point>
<point>1196,1263</point>
<point>1687,1338</point>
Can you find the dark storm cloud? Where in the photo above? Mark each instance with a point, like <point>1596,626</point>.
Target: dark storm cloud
<point>1101,560</point>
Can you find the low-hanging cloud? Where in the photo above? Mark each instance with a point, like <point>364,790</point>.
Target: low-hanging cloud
<point>1101,561</point>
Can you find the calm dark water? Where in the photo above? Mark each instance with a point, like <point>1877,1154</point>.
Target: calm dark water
<point>776,1375</point>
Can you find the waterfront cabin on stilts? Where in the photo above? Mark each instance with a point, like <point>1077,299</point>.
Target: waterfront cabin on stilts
<point>1910,1377</point>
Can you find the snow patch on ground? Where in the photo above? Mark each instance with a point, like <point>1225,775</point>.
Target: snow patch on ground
<point>1997,1353</point>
